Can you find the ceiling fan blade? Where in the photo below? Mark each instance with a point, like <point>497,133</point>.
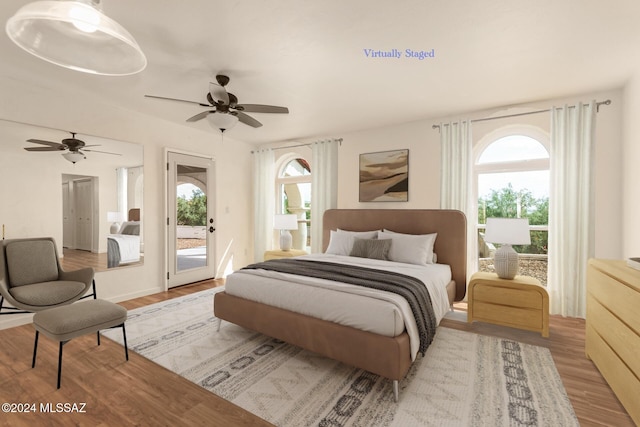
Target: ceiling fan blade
<point>219,93</point>
<point>200,116</point>
<point>101,152</point>
<point>179,100</point>
<point>49,143</point>
<point>42,149</point>
<point>259,108</point>
<point>248,120</point>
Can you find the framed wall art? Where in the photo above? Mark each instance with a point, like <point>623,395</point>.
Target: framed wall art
<point>384,176</point>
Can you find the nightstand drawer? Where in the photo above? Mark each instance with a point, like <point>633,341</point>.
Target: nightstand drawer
<point>505,296</point>
<point>507,316</point>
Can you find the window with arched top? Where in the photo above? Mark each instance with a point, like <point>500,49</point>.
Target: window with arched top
<point>293,185</point>
<point>512,181</point>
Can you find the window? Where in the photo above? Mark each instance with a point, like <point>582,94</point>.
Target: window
<point>512,181</point>
<point>294,197</point>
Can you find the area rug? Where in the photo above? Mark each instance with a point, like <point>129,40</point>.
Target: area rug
<point>464,379</point>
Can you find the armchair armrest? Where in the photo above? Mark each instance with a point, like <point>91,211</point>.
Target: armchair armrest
<point>84,275</point>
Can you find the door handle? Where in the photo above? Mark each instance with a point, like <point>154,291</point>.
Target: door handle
<point>211,229</point>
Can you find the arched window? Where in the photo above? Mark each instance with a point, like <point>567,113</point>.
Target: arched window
<point>294,197</point>
<point>512,181</point>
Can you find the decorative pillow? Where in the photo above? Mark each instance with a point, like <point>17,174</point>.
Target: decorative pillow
<point>371,248</point>
<point>130,227</point>
<point>340,243</point>
<point>361,234</point>
<point>410,248</point>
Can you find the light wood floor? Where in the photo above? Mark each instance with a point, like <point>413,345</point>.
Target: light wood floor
<point>139,392</point>
<point>75,259</point>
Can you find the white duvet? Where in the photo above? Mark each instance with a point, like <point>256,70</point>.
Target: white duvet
<point>380,312</point>
<point>129,247</point>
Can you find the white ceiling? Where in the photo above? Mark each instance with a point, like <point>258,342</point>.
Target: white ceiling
<point>309,56</point>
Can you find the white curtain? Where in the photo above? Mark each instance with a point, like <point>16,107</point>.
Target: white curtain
<point>121,185</point>
<point>264,201</point>
<point>456,181</point>
<point>571,213</point>
<point>324,186</point>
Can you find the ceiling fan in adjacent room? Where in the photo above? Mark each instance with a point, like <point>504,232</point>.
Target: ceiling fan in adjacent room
<point>224,111</point>
<point>74,148</point>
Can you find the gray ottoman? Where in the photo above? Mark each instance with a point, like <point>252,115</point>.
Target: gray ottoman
<point>80,318</point>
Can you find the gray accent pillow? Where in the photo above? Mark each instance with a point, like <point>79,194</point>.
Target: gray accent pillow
<point>371,248</point>
<point>131,229</point>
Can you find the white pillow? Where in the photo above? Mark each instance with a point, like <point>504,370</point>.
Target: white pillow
<point>360,234</point>
<point>340,243</point>
<point>410,248</point>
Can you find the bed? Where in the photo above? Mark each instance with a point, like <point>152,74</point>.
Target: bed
<point>376,352</point>
<point>123,247</point>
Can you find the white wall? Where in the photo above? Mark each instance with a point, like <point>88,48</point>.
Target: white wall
<point>631,156</point>
<point>27,215</point>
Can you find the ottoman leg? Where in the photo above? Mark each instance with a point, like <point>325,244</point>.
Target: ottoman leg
<point>35,349</point>
<point>124,336</point>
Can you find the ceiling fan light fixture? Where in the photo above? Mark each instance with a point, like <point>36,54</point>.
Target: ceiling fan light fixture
<point>222,121</point>
<point>73,157</point>
<point>75,34</point>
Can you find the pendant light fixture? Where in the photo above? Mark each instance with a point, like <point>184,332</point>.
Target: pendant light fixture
<point>222,121</point>
<point>76,34</point>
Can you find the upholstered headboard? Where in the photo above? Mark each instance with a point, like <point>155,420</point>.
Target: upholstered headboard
<point>451,226</point>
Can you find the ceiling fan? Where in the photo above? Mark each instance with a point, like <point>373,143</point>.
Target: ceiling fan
<point>72,146</point>
<point>224,110</point>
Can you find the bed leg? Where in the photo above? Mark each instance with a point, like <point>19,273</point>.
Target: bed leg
<point>395,390</point>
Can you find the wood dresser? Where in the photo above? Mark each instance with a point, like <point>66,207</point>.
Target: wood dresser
<point>613,328</point>
<point>520,302</point>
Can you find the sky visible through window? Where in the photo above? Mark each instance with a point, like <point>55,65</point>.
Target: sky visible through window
<point>514,148</point>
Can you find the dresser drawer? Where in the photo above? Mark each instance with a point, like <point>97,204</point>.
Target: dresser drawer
<point>623,341</point>
<point>505,296</point>
<point>616,296</point>
<point>624,384</point>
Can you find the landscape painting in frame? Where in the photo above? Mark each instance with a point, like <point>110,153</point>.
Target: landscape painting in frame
<point>384,176</point>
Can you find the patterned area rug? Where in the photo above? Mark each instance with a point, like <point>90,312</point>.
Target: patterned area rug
<point>465,379</point>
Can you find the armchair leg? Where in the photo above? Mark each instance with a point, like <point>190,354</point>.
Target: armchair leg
<point>35,350</point>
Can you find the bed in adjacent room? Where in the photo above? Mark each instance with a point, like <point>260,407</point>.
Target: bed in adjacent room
<point>123,247</point>
<point>347,303</point>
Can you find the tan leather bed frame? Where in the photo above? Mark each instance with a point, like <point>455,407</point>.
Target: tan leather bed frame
<point>385,356</point>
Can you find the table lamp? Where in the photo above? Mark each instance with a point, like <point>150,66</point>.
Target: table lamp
<point>507,232</point>
<point>284,223</point>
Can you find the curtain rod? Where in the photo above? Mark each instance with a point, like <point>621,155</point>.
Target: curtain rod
<point>299,145</point>
<point>598,104</point>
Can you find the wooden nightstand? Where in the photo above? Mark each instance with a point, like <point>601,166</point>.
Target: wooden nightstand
<point>283,254</point>
<point>518,303</point>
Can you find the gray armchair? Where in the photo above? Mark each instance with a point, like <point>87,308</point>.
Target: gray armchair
<point>31,278</point>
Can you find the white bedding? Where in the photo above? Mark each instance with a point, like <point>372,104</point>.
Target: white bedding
<point>129,247</point>
<point>380,312</point>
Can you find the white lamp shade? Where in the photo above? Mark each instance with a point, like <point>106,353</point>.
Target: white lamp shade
<point>76,35</point>
<point>115,217</point>
<point>222,121</point>
<point>285,222</point>
<point>510,231</point>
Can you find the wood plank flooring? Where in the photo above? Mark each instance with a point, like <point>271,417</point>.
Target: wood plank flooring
<point>139,392</point>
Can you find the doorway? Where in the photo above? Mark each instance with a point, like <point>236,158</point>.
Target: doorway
<point>79,206</point>
<point>190,219</point>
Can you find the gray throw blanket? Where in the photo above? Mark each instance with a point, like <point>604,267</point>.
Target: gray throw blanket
<point>113,253</point>
<point>412,289</point>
